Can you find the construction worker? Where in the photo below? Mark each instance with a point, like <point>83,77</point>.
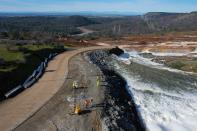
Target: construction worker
<point>75,85</point>
<point>77,110</point>
<point>97,81</point>
<point>88,102</point>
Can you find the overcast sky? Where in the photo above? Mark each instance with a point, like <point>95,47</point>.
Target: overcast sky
<point>140,6</point>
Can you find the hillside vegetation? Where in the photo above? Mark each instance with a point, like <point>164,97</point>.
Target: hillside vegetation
<point>41,27</point>
<point>47,27</point>
<point>155,22</point>
<point>18,62</point>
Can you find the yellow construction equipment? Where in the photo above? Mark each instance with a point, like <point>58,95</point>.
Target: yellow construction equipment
<point>77,110</point>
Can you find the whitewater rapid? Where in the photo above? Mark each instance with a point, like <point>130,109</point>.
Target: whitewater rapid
<point>166,98</point>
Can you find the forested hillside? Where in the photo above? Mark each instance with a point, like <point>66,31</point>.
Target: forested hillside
<point>45,27</point>
<point>34,27</point>
<point>154,22</point>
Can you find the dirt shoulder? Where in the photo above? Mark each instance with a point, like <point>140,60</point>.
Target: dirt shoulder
<point>15,111</point>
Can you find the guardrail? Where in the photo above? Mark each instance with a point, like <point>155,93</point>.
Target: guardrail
<point>11,92</point>
<point>37,73</point>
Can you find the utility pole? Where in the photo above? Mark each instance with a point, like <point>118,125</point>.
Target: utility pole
<point>114,30</point>
<point>119,29</point>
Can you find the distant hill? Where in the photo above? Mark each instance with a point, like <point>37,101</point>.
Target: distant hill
<point>153,22</point>
<point>31,27</point>
<point>171,21</point>
<point>81,13</point>
<point>77,20</point>
<point>51,25</point>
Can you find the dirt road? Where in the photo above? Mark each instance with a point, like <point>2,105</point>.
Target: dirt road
<point>15,111</point>
<point>57,113</point>
<point>84,31</point>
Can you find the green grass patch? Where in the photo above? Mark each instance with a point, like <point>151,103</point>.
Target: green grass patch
<point>37,47</point>
<point>176,64</point>
<point>185,64</point>
<point>9,55</point>
<point>7,68</point>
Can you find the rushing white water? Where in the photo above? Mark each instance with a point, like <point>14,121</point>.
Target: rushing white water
<point>169,54</point>
<point>195,51</point>
<point>134,56</point>
<point>162,107</point>
<point>191,54</point>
